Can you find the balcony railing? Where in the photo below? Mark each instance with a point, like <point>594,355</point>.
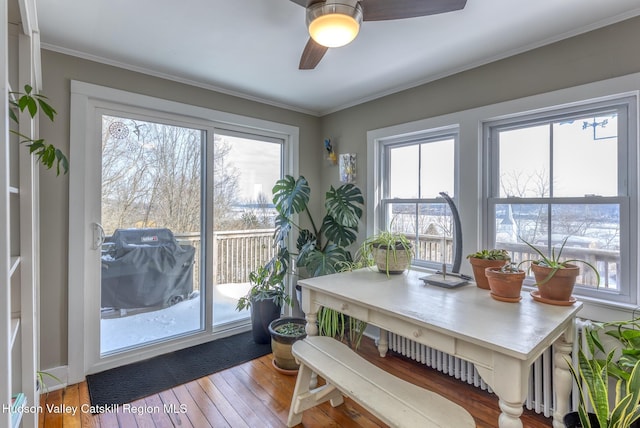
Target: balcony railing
<point>236,253</point>
<point>606,261</point>
<point>239,252</point>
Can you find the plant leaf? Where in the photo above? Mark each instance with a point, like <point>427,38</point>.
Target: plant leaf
<point>281,232</point>
<point>344,204</point>
<point>291,196</point>
<point>12,116</point>
<point>49,111</point>
<point>338,233</point>
<point>305,236</point>
<point>324,263</point>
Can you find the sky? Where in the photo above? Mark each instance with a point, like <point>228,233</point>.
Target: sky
<point>258,163</point>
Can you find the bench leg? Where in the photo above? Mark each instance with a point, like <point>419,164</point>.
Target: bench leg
<point>304,399</point>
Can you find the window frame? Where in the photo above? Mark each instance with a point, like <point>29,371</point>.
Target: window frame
<point>627,188</point>
<point>384,146</point>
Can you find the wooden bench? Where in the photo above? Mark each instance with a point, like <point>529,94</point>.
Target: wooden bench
<point>396,402</point>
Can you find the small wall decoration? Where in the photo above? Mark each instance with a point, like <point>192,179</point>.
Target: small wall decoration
<point>331,153</point>
<point>347,167</point>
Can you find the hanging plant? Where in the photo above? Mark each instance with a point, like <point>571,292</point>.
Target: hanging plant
<point>46,154</point>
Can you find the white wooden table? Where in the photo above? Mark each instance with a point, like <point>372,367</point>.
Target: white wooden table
<point>501,339</point>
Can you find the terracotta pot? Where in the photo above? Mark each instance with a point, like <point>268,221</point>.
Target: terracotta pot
<point>559,286</point>
<point>479,266</point>
<point>505,286</point>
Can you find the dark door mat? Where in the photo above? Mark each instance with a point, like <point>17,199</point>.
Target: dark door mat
<point>141,379</point>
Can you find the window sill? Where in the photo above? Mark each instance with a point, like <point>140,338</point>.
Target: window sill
<point>601,310</point>
<point>592,309</point>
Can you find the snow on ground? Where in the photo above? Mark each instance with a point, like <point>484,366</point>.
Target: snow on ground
<point>126,331</point>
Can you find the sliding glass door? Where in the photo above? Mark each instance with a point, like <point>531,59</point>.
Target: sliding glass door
<point>246,166</point>
<point>152,275</point>
<point>151,218</point>
<point>170,210</point>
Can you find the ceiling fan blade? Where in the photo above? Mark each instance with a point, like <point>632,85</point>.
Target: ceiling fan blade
<point>383,10</point>
<point>306,3</point>
<point>312,54</point>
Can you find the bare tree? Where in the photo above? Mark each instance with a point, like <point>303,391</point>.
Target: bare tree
<point>225,185</point>
<point>151,176</point>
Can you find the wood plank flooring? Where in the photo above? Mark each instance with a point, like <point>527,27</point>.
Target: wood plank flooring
<point>254,395</point>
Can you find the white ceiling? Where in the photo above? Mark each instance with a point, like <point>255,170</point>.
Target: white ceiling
<point>251,48</point>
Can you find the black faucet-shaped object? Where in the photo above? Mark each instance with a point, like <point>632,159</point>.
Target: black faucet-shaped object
<point>457,234</point>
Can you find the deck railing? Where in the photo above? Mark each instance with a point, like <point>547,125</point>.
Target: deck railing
<point>431,248</point>
<point>606,261</point>
<point>238,252</point>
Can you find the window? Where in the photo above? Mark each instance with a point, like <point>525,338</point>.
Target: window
<point>415,171</point>
<point>566,174</point>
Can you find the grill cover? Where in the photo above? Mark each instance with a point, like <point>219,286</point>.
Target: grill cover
<point>144,268</point>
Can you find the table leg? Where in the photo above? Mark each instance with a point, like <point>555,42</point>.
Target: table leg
<point>509,380</point>
<point>383,342</point>
<point>562,379</point>
<point>510,416</point>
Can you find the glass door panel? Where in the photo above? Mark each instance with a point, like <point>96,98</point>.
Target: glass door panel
<point>245,169</point>
<point>151,211</point>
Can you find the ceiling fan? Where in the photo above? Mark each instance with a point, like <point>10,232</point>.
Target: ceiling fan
<point>334,23</point>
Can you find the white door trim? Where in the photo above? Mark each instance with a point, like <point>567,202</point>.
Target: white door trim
<point>83,340</point>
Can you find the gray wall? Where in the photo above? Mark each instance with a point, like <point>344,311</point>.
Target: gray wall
<point>59,70</point>
<point>601,54</point>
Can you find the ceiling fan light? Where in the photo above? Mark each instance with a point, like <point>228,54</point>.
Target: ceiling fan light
<point>333,25</point>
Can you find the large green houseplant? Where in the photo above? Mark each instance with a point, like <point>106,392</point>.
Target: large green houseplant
<point>591,376</point>
<point>322,247</point>
<point>627,334</point>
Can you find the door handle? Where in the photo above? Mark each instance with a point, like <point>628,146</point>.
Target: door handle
<point>98,236</point>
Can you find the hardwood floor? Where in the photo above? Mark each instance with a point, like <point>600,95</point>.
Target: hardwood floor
<point>254,394</point>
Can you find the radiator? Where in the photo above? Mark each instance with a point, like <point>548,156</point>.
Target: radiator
<point>540,398</point>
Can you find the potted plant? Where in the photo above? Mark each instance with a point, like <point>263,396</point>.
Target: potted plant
<point>284,331</point>
<point>592,379</point>
<point>627,334</point>
<point>484,259</point>
<point>32,102</point>
<point>391,252</point>
<point>505,282</point>
<point>555,278</point>
<point>265,298</point>
<point>319,250</point>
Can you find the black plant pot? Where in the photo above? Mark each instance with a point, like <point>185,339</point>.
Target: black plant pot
<point>262,313</point>
<point>572,420</point>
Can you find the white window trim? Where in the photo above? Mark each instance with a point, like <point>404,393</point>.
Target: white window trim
<point>85,99</point>
<point>470,164</point>
<point>626,152</point>
<point>422,137</point>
